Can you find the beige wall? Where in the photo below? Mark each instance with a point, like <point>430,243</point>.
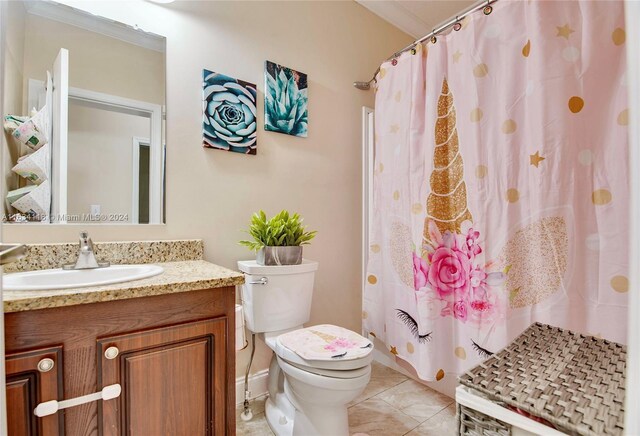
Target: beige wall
<point>211,194</point>
<point>100,165</point>
<point>96,62</point>
<point>12,104</point>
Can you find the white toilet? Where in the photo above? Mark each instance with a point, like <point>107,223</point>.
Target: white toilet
<point>307,395</point>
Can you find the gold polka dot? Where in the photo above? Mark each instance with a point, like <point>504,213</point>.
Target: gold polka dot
<point>509,127</point>
<point>460,353</point>
<point>416,208</point>
<point>364,314</point>
<point>440,374</point>
<point>620,284</point>
<point>382,72</point>
<point>526,49</point>
<point>480,70</point>
<point>618,36</point>
<point>396,195</point>
<point>476,115</point>
<point>601,197</point>
<point>623,117</point>
<point>372,279</point>
<point>410,348</point>
<point>513,195</point>
<point>576,104</point>
<point>375,248</point>
<point>398,96</point>
<point>481,171</point>
<point>380,168</point>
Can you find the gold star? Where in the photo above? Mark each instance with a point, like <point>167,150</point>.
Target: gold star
<point>394,351</point>
<point>456,56</point>
<point>395,128</point>
<point>564,31</point>
<point>535,159</point>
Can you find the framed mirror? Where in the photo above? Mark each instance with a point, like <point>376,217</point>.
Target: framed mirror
<point>84,121</point>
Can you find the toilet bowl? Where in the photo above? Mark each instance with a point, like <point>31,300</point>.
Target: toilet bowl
<point>310,397</point>
<point>310,382</point>
<point>322,400</point>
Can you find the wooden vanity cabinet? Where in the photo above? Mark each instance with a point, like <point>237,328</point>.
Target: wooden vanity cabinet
<point>32,378</point>
<point>171,372</point>
<point>173,356</point>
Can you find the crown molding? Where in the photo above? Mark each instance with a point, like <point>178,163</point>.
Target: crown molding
<point>94,23</point>
<point>398,15</point>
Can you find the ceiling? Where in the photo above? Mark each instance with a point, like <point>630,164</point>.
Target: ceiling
<point>416,17</point>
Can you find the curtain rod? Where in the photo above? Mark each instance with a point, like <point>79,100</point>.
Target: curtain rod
<point>485,5</point>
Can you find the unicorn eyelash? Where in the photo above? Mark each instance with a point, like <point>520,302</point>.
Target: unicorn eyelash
<point>482,352</point>
<point>413,327</point>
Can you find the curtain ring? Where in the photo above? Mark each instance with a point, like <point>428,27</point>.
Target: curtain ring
<point>487,9</point>
<point>433,38</point>
<point>457,26</point>
<point>413,50</point>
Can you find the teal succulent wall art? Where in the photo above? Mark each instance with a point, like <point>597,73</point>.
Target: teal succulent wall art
<point>285,100</point>
<point>229,113</point>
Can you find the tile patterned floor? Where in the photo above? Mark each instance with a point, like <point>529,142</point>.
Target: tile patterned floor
<point>391,405</point>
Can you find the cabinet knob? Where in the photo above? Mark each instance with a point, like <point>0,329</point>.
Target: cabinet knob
<point>111,353</point>
<point>46,365</point>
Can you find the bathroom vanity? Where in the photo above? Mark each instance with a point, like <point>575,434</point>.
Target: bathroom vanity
<point>167,341</point>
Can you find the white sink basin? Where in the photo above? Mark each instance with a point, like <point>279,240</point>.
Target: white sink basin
<point>61,279</point>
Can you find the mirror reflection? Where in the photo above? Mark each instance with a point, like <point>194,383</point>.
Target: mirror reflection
<point>84,103</point>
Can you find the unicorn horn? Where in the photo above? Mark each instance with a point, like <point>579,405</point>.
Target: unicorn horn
<point>447,201</point>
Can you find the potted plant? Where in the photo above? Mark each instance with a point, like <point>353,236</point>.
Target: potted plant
<point>278,240</point>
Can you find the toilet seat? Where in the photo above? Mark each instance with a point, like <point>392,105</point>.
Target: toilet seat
<point>332,373</point>
<point>330,368</point>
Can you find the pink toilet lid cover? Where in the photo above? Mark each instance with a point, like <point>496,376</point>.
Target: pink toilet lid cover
<point>326,342</point>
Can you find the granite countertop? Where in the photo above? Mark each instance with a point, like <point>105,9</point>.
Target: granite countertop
<point>180,276</point>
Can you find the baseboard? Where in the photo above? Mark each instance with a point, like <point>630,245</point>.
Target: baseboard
<point>257,385</point>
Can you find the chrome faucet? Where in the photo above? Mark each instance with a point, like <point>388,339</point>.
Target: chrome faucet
<point>86,256</point>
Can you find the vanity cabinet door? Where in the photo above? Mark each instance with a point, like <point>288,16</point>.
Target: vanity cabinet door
<point>33,377</point>
<point>173,380</point>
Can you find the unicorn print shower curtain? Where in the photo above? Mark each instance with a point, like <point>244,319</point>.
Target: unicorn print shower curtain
<point>500,185</point>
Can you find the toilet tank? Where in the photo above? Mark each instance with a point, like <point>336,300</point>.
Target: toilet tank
<point>277,297</point>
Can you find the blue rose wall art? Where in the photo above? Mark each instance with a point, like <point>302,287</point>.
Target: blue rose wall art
<point>285,100</point>
<point>229,113</point>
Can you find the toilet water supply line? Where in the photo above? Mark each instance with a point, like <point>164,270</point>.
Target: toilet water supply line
<point>247,414</point>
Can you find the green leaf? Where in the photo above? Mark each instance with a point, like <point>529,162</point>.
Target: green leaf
<point>283,229</point>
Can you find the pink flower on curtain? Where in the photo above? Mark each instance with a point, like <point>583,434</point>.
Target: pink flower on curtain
<point>420,271</point>
<point>450,269</point>
<point>471,243</point>
<point>454,275</point>
<point>460,310</point>
<point>485,302</point>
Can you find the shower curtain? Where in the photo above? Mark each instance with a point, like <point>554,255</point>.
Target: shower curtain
<point>500,185</point>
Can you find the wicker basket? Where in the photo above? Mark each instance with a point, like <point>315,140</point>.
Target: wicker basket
<point>573,381</point>
<point>474,423</point>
